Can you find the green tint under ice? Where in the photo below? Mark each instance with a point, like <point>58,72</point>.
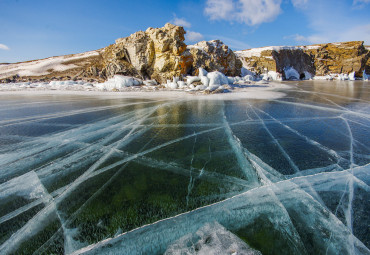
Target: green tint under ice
<point>111,175</point>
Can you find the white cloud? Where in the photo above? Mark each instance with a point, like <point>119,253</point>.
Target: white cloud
<point>4,47</point>
<point>181,22</point>
<point>254,12</point>
<point>316,39</point>
<point>358,33</point>
<point>361,1</point>
<point>359,4</point>
<point>301,3</point>
<point>250,12</point>
<point>220,9</point>
<point>322,17</point>
<point>297,37</point>
<point>326,27</point>
<point>192,36</point>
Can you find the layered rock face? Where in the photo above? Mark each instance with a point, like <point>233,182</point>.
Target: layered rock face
<point>367,65</point>
<point>213,56</point>
<point>319,60</point>
<point>161,54</point>
<point>157,53</point>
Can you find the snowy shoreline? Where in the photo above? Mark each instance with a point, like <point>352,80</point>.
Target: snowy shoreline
<point>252,92</point>
<point>267,90</point>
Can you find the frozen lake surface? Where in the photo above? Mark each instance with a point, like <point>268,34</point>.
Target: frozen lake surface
<point>112,175</point>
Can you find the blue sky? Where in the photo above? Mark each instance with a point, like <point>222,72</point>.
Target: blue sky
<point>32,29</point>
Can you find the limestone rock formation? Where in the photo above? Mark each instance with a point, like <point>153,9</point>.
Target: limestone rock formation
<point>155,53</point>
<point>213,56</point>
<point>367,67</point>
<point>161,54</point>
<point>319,59</point>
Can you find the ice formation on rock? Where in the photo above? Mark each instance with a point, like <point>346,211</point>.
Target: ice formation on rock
<point>119,82</point>
<point>364,76</point>
<point>351,76</point>
<point>274,76</point>
<point>191,79</point>
<point>307,75</point>
<point>291,73</point>
<point>150,82</point>
<point>217,78</point>
<point>343,77</point>
<point>204,80</point>
<point>202,72</point>
<point>245,72</point>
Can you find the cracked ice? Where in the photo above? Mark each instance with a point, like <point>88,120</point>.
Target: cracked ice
<point>88,175</point>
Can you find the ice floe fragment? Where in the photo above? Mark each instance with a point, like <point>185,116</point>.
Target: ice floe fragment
<point>119,82</point>
<point>191,79</point>
<point>217,78</point>
<point>351,76</point>
<point>212,238</point>
<point>364,76</point>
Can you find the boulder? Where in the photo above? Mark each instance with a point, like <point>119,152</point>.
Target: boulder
<point>213,56</point>
<point>217,78</point>
<point>115,83</point>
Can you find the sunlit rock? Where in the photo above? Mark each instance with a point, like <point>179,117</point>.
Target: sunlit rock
<point>213,56</point>
<point>318,59</point>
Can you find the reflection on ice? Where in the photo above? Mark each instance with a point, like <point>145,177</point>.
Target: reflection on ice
<point>133,176</point>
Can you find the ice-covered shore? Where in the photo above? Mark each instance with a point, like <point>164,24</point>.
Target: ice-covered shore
<point>212,82</point>
<point>205,83</point>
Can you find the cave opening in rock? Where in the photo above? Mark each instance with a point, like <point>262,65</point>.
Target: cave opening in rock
<point>190,71</point>
<point>144,74</point>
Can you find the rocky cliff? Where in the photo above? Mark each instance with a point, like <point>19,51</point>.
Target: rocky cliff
<point>161,54</point>
<point>157,53</point>
<point>319,59</point>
